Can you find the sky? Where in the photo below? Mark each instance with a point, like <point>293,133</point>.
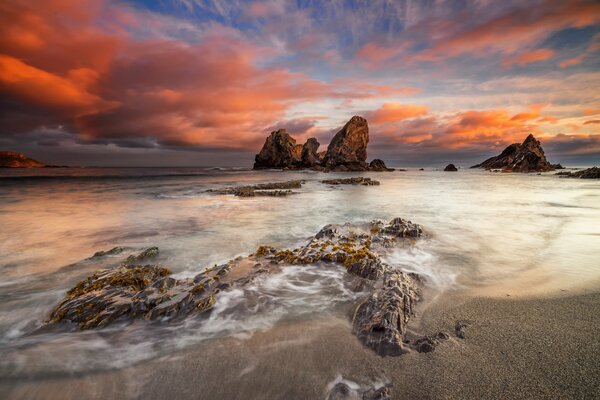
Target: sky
<point>203,82</point>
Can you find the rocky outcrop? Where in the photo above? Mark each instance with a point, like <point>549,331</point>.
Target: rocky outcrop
<point>348,148</point>
<point>379,166</point>
<point>351,181</point>
<point>310,157</point>
<point>137,290</point>
<point>279,151</point>
<point>524,157</point>
<point>11,159</point>
<point>272,189</point>
<point>590,173</point>
<point>451,168</point>
<point>347,151</point>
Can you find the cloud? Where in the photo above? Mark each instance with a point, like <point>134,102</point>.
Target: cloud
<point>529,57</point>
<point>395,112</point>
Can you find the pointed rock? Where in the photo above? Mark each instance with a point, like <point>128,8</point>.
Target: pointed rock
<point>279,151</point>
<point>450,167</point>
<point>524,157</point>
<point>348,148</point>
<point>309,156</point>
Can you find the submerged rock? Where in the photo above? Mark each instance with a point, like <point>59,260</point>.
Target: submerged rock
<point>450,167</point>
<point>113,251</point>
<point>274,189</point>
<point>524,157</point>
<point>590,173</point>
<point>147,291</point>
<point>351,181</point>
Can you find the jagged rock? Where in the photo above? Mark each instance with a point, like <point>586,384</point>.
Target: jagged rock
<point>150,252</point>
<point>558,166</point>
<point>459,328</point>
<point>590,173</point>
<point>450,167</point>
<point>378,165</point>
<point>343,391</point>
<point>525,157</point>
<point>147,291</point>
<point>309,156</point>
<point>113,251</point>
<point>351,181</point>
<point>348,148</point>
<point>279,151</point>
<point>380,322</point>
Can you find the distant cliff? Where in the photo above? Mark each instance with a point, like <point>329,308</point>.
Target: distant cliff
<point>11,159</point>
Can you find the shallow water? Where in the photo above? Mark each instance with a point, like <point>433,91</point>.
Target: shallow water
<point>488,233</point>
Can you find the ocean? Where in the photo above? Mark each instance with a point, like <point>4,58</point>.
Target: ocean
<point>488,234</point>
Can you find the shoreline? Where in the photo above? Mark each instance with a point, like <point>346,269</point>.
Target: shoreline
<point>543,347</point>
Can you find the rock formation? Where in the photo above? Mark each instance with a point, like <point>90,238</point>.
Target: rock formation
<point>351,181</point>
<point>279,151</point>
<point>590,173</point>
<point>136,289</point>
<point>310,157</point>
<point>11,159</point>
<point>524,157</point>
<point>348,148</point>
<point>450,167</point>
<point>346,152</point>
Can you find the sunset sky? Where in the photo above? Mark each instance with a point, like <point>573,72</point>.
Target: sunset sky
<point>200,82</point>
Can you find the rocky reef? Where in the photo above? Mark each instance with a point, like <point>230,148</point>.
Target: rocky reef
<point>347,151</point>
<point>351,181</point>
<point>139,289</point>
<point>11,159</point>
<point>520,157</point>
<point>272,189</point>
<point>590,173</point>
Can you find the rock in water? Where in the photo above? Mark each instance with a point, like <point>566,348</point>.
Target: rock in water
<point>525,157</point>
<point>279,151</point>
<point>450,167</point>
<point>348,148</point>
<point>378,165</point>
<point>590,173</point>
<point>309,156</point>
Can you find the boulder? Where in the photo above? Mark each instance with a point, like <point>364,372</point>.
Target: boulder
<point>524,157</point>
<point>279,151</point>
<point>378,165</point>
<point>348,148</point>
<point>450,167</point>
<point>309,156</point>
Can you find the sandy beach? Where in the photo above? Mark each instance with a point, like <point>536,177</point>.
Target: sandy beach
<point>536,348</point>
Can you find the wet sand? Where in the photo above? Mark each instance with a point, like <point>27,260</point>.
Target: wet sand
<point>541,348</point>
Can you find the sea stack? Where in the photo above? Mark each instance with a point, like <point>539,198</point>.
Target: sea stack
<point>520,157</point>
<point>346,152</point>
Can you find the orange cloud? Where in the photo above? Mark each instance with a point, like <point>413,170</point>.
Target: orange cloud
<point>529,57</point>
<point>592,121</point>
<point>395,112</point>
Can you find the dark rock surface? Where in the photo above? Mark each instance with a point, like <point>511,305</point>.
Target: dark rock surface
<point>347,151</point>
<point>279,151</point>
<point>378,165</point>
<point>348,148</point>
<point>450,167</point>
<point>138,290</point>
<point>524,157</point>
<point>351,181</point>
<point>310,157</point>
<point>590,173</point>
